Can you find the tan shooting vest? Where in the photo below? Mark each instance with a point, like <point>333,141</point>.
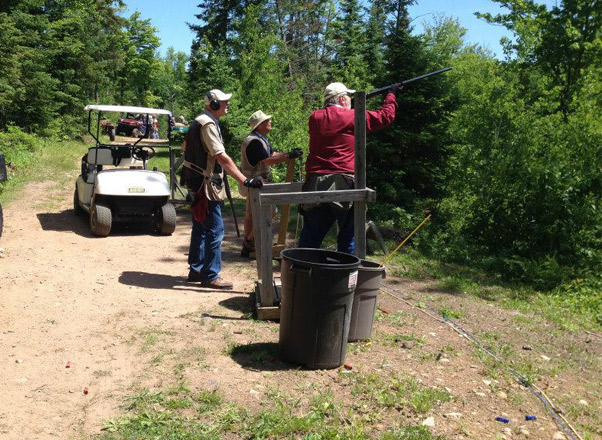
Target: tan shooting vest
<point>250,171</point>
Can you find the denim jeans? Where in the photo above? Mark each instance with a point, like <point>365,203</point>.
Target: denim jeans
<point>318,221</point>
<point>205,253</point>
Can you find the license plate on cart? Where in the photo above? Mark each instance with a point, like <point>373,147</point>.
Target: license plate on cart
<point>136,190</point>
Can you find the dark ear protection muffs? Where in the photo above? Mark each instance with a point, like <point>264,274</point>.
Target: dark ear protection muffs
<point>213,102</point>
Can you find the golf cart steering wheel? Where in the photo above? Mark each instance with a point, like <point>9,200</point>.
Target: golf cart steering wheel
<point>143,152</point>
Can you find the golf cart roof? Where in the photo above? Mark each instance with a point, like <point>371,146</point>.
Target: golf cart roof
<point>126,109</point>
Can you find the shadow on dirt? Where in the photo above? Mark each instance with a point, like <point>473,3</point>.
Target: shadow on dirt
<point>148,280</point>
<point>65,221</point>
<point>261,356</point>
<point>240,304</point>
<point>152,280</point>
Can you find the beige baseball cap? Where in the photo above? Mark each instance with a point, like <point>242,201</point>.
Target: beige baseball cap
<point>257,118</point>
<point>336,88</point>
<point>217,95</point>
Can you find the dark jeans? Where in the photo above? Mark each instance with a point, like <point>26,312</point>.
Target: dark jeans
<point>205,253</point>
<point>318,221</point>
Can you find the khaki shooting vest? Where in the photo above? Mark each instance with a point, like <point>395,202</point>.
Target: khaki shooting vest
<point>250,171</point>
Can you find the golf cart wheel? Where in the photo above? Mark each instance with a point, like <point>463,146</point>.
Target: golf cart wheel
<point>165,219</point>
<point>1,220</point>
<point>76,208</point>
<point>101,219</point>
<point>112,134</point>
<point>135,132</point>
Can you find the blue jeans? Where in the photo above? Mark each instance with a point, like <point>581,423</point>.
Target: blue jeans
<point>205,253</point>
<point>318,221</point>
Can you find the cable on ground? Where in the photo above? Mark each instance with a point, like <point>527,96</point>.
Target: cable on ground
<point>560,420</point>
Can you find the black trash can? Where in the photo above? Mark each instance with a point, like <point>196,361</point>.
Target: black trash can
<point>369,278</point>
<point>315,311</point>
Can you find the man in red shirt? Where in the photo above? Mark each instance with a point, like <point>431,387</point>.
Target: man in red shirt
<point>331,163</point>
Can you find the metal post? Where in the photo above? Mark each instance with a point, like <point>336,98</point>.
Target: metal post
<point>360,173</point>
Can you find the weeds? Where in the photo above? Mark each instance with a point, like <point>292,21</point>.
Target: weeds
<point>392,392</point>
<point>151,338</point>
<point>573,306</point>
<point>397,319</point>
<point>181,414</point>
<point>396,339</point>
<point>447,312</point>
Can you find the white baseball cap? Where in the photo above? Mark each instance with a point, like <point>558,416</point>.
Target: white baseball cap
<point>217,95</point>
<point>257,118</point>
<point>336,88</point>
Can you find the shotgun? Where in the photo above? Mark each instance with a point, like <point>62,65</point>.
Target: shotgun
<point>404,82</point>
<point>229,195</point>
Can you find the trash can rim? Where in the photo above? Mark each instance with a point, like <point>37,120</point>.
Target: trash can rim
<point>331,266</point>
<point>374,266</point>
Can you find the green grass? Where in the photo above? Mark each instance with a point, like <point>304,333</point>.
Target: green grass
<point>393,340</point>
<point>182,414</point>
<point>447,312</point>
<point>151,337</point>
<point>574,306</point>
<point>396,392</point>
<point>54,160</point>
<point>309,411</point>
<point>397,319</point>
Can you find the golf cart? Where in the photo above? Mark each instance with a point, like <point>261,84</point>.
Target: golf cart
<point>107,128</point>
<point>114,182</point>
<point>179,129</point>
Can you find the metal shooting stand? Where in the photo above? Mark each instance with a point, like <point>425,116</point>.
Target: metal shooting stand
<point>267,292</point>
<point>176,159</point>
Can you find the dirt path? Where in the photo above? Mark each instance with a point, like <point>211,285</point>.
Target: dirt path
<point>116,314</point>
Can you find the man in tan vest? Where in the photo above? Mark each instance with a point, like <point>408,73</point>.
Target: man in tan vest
<point>257,156</point>
<point>205,160</point>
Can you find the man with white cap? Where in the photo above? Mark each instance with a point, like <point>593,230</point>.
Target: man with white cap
<point>330,164</point>
<point>205,160</point>
<point>257,156</point>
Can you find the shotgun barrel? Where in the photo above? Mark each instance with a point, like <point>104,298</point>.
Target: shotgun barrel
<point>404,82</point>
<point>229,196</point>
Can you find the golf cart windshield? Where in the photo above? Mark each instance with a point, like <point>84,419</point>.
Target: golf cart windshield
<point>130,125</point>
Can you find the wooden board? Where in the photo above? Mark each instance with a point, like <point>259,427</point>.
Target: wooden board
<point>271,313</point>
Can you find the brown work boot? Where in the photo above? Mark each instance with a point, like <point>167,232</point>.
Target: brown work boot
<point>218,283</point>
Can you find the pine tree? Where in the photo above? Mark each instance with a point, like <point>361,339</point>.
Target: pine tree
<point>350,67</point>
<point>375,41</point>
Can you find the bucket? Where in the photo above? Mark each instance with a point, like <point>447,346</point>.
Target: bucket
<point>370,276</point>
<point>315,310</point>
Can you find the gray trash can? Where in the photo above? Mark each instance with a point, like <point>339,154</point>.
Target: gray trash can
<point>315,311</point>
<point>369,279</point>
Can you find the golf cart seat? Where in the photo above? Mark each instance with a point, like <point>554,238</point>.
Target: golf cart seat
<point>118,156</point>
<point>97,157</point>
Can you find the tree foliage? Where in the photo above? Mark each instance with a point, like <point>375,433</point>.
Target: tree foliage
<point>525,176</point>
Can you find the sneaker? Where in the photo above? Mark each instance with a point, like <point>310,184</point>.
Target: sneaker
<point>218,283</point>
<point>194,276</point>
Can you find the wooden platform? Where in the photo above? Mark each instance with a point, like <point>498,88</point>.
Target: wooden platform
<point>272,312</point>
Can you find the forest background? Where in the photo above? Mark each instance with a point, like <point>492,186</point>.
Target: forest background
<point>505,154</point>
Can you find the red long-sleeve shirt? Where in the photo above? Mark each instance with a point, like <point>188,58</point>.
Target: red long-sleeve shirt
<point>331,136</point>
